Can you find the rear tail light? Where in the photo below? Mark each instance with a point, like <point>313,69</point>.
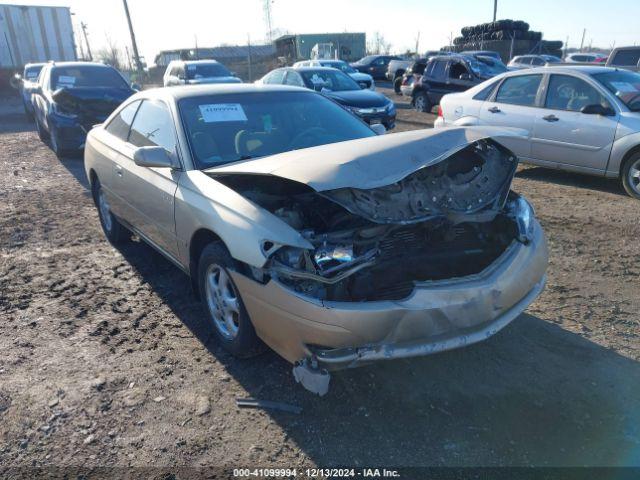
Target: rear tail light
<point>440,112</point>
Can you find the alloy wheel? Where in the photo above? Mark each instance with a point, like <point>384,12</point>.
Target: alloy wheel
<point>634,176</point>
<point>223,301</point>
<point>105,211</point>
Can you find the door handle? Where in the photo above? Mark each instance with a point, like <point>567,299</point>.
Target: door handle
<point>551,118</point>
<point>118,170</point>
<point>494,110</point>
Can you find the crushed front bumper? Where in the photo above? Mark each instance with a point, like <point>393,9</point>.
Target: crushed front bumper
<point>437,316</point>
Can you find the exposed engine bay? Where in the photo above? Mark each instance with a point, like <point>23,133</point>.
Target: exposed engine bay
<point>447,220</point>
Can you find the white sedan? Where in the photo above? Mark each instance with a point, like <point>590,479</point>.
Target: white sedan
<point>584,119</point>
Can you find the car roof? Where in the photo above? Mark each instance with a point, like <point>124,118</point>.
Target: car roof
<point>564,68</point>
<point>180,92</point>
<point>196,62</point>
<point>313,69</point>
<point>78,64</point>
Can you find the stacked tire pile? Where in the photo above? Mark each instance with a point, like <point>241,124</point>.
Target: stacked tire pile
<point>499,35</point>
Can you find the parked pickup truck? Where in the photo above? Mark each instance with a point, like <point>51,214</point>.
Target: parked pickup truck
<point>625,57</point>
<point>396,70</point>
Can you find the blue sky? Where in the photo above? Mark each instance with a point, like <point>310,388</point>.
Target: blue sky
<point>161,25</point>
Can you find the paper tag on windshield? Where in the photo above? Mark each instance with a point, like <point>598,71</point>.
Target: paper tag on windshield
<point>66,81</point>
<point>223,112</point>
<point>624,87</point>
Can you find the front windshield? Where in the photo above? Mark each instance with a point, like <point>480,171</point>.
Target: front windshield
<point>623,84</point>
<point>231,127</point>
<point>342,66</point>
<point>86,76</point>
<point>333,80</point>
<point>551,59</point>
<point>31,73</point>
<point>206,70</point>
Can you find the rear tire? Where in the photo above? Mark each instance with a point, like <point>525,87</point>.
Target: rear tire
<point>112,228</point>
<point>396,85</point>
<point>228,318</point>
<point>631,175</point>
<point>422,103</point>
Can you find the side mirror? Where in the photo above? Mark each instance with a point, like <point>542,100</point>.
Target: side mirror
<point>136,86</point>
<point>16,80</point>
<point>465,76</point>
<point>597,109</point>
<point>379,128</point>
<point>152,157</point>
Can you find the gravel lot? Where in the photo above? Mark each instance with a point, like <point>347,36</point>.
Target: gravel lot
<point>106,358</point>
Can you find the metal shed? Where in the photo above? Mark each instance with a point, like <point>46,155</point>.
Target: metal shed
<point>350,46</point>
<point>30,34</point>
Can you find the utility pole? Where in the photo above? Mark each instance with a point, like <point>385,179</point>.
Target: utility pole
<point>566,46</point>
<point>495,9</point>
<point>249,57</point>
<point>417,43</point>
<point>584,31</point>
<point>86,40</point>
<point>267,19</point>
<point>136,56</point>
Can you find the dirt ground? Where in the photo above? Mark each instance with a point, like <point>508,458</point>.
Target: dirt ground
<point>106,359</point>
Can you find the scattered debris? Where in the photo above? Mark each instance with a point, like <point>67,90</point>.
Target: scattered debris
<point>266,404</point>
<point>159,399</point>
<point>203,406</point>
<point>90,439</point>
<point>53,402</point>
<point>311,377</point>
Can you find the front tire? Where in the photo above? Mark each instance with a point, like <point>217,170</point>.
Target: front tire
<point>42,135</point>
<point>112,228</point>
<point>227,315</point>
<point>422,103</point>
<point>631,175</point>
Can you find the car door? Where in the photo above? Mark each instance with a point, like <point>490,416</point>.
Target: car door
<point>564,135</point>
<point>109,152</point>
<point>514,104</point>
<point>378,68</point>
<point>38,97</point>
<point>459,77</point>
<point>150,192</point>
<point>435,80</point>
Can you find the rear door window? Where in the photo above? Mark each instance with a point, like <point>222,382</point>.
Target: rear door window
<point>153,127</point>
<point>121,123</point>
<point>439,67</point>
<point>519,90</point>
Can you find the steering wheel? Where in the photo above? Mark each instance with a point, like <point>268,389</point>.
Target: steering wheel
<point>306,138</point>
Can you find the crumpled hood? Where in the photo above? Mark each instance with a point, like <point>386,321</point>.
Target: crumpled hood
<point>94,103</point>
<point>368,162</point>
<point>205,80</point>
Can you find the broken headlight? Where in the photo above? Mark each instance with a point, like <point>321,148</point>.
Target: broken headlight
<point>523,214</point>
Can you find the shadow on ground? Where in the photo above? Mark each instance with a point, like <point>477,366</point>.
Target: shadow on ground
<point>590,182</point>
<point>535,394</point>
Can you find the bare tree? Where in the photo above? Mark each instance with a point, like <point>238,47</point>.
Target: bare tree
<point>378,45</point>
<point>110,53</point>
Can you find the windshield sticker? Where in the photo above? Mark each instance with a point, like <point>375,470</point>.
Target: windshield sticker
<point>222,112</point>
<point>624,87</point>
<point>66,81</point>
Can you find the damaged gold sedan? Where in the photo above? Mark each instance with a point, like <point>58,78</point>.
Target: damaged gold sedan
<point>303,228</point>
